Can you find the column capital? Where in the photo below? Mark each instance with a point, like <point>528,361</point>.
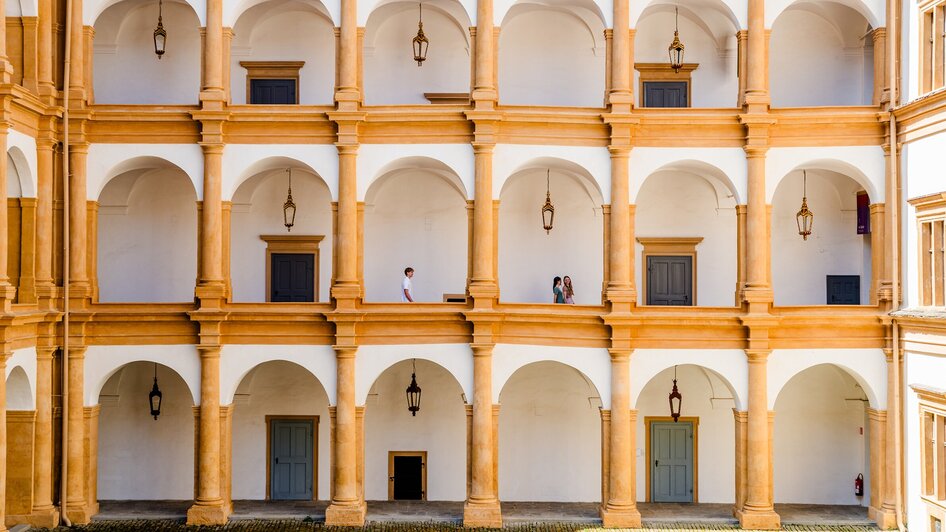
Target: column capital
<point>758,356</point>
<point>483,148</point>
<point>347,148</point>
<point>755,151</point>
<point>345,351</point>
<point>620,354</point>
<point>482,350</point>
<point>209,351</point>
<point>619,152</point>
<point>211,148</point>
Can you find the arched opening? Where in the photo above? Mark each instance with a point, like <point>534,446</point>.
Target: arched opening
<point>833,266</point>
<point>437,434</point>
<point>147,234</point>
<point>21,212</point>
<point>285,31</point>
<point>549,431</point>
<point>708,30</point>
<point>530,257</point>
<point>552,55</point>
<point>280,409</point>
<point>416,215</point>
<point>126,69</point>
<point>391,74</point>
<point>139,457</point>
<point>819,55</point>
<point>820,439</point>
<point>257,211</point>
<point>19,391</point>
<point>685,224</point>
<point>698,450</point>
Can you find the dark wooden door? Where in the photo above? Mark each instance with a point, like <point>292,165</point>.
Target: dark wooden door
<point>293,277</point>
<point>665,94</point>
<point>292,449</point>
<point>408,478</point>
<point>273,91</point>
<point>669,280</point>
<point>843,289</point>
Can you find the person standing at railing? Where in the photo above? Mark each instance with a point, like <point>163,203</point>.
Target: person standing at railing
<point>569,290</point>
<point>558,296</point>
<point>407,286</point>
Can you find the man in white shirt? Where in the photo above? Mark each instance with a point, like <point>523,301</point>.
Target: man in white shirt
<point>407,287</point>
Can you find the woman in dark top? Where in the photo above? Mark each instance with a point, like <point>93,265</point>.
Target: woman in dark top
<point>558,295</point>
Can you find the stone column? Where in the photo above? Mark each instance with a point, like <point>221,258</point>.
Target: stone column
<point>742,60</point>
<point>621,280</point>
<point>44,51</point>
<point>208,508</point>
<point>80,287</point>
<point>76,498</point>
<point>878,470</point>
<point>620,93</point>
<point>757,288</point>
<point>44,514</point>
<point>878,249</point>
<point>44,217</point>
<point>77,57</point>
<point>740,418</point>
<point>347,94</point>
<point>483,284</point>
<point>605,456</point>
<point>758,513</point>
<point>740,251</point>
<point>887,516</point>
<point>484,88</point>
<point>7,291</point>
<point>482,507</point>
<point>621,508</point>
<point>346,239</point>
<point>213,53</point>
<point>757,93</point>
<point>211,288</point>
<point>5,352</point>
<point>346,508</point>
<point>881,91</point>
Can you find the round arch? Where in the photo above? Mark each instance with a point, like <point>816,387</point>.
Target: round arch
<point>103,361</point>
<point>729,365</point>
<point>841,167</point>
<point>586,10</point>
<point>21,169</point>
<point>92,10</point>
<point>593,364</point>
<point>232,11</point>
<point>453,10</point>
<point>418,163</point>
<point>720,12</point>
<point>319,360</point>
<point>868,367</point>
<point>463,12</point>
<point>373,360</point>
<point>569,168</point>
<point>248,161</point>
<point>722,184</point>
<point>19,391</point>
<point>107,164</point>
<point>873,11</point>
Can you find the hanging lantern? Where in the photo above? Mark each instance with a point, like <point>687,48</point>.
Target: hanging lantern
<point>413,392</point>
<point>675,399</point>
<point>548,210</point>
<point>154,398</point>
<point>160,36</point>
<point>420,41</point>
<point>805,218</point>
<point>676,47</point>
<point>289,208</point>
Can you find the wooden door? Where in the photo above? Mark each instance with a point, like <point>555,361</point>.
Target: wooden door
<point>293,277</point>
<point>272,91</point>
<point>666,94</point>
<point>671,461</point>
<point>669,280</point>
<point>292,459</point>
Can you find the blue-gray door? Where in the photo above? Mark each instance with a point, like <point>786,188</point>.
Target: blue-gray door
<point>669,280</point>
<point>665,94</point>
<point>292,446</point>
<point>671,450</point>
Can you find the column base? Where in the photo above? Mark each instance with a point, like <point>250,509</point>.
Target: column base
<point>885,518</point>
<point>628,517</point>
<point>44,517</point>
<point>759,519</point>
<point>346,515</point>
<point>80,515</point>
<point>482,515</point>
<point>207,514</point>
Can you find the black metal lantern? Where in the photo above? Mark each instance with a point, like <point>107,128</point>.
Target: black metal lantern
<point>548,210</point>
<point>154,398</point>
<point>160,36</point>
<point>413,392</point>
<point>676,47</point>
<point>675,399</point>
<point>804,218</point>
<point>289,208</point>
<point>420,42</point>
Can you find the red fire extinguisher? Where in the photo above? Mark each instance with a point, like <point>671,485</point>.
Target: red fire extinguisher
<point>859,485</point>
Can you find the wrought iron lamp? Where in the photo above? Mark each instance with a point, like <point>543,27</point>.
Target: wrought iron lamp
<point>675,399</point>
<point>413,391</point>
<point>160,36</point>
<point>804,218</point>
<point>676,47</point>
<point>154,398</point>
<point>420,41</point>
<point>548,210</point>
<point>289,207</point>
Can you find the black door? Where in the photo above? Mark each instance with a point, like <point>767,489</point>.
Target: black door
<point>292,449</point>
<point>408,478</point>
<point>844,289</point>
<point>293,277</point>
<point>665,94</point>
<point>669,280</point>
<point>273,91</point>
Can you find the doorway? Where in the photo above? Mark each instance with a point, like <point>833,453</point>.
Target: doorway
<point>292,455</point>
<point>670,280</point>
<point>671,453</point>
<point>407,475</point>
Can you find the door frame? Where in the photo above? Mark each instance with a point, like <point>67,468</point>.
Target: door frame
<point>423,471</point>
<point>315,451</point>
<point>669,247</point>
<point>297,244</point>
<point>695,422</point>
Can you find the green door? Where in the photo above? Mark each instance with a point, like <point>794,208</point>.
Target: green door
<point>292,460</point>
<point>671,449</point>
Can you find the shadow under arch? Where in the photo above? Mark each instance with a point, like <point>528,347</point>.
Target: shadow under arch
<point>234,11</point>
<point>837,166</point>
<point>96,382</point>
<point>724,20</point>
<point>723,186</point>
<point>456,364</point>
<point>92,11</point>
<point>415,163</point>
<point>262,168</point>
<point>19,391</point>
<point>794,374</point>
<point>571,169</point>
<point>142,164</point>
<point>453,10</point>
<point>873,16</point>
<point>536,363</point>
<point>22,171</point>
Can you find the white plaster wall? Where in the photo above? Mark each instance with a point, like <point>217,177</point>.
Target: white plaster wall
<point>921,160</point>
<point>550,57</point>
<point>592,163</point>
<point>373,360</point>
<point>715,82</point>
<point>594,364</point>
<point>125,68</point>
<point>275,388</point>
<point>868,367</point>
<point>452,161</point>
<point>107,161</point>
<point>549,430</point>
<point>820,441</point>
<point>909,52</point>
<point>438,428</point>
<point>258,210</point>
<point>286,32</point>
<point>415,219</point>
<point>684,204</point>
<point>147,238</point>
<point>799,266</point>
<point>924,365</point>
<point>19,392</point>
<point>14,190</point>
<point>244,161</point>
<point>726,165</point>
<point>141,458</point>
<point>728,367</point>
<point>873,11</point>
<point>23,396</point>
<point>814,62</point>
<point>735,12</point>
<point>391,74</point>
<point>93,9</point>
<point>529,258</point>
<point>706,397</point>
<point>232,11</point>
<point>240,360</point>
<point>21,148</point>
<point>864,164</point>
<point>102,361</point>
